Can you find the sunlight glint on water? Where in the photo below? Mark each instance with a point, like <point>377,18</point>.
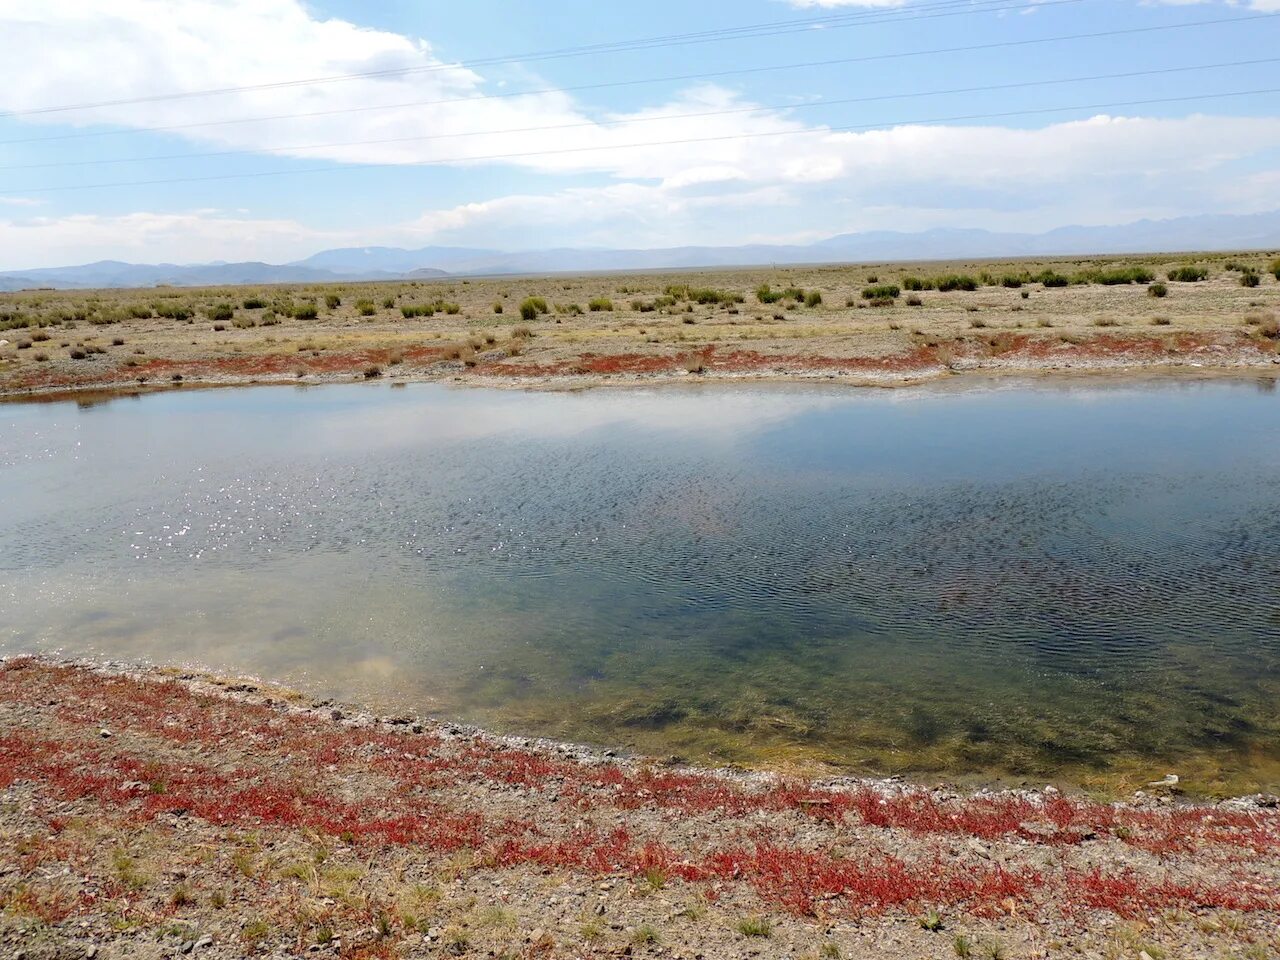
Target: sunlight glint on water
<point>1021,583</point>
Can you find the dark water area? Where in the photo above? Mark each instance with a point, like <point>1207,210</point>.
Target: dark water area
<point>1012,582</point>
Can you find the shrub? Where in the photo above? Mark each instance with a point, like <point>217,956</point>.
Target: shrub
<point>243,323</point>
<point>765,295</point>
<point>597,304</point>
<point>332,301</point>
<point>1010,281</point>
<point>571,309</point>
<point>365,308</point>
<point>880,291</point>
<point>254,303</point>
<point>222,311</point>
<point>715,296</point>
<point>497,306</point>
<point>305,311</point>
<point>755,927</point>
<point>882,302</point>
<point>1274,269</point>
<point>1120,275</point>
<point>1249,279</point>
<point>1189,274</point>
<point>813,298</point>
<point>389,303</point>
<point>417,310</point>
<point>914,301</point>
<point>371,371</point>
<point>532,307</point>
<point>449,308</point>
<point>915,283</point>
<point>957,281</point>
<point>1050,279</point>
<point>140,313</point>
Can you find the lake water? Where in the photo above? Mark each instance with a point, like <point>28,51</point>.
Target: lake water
<point>1009,582</point>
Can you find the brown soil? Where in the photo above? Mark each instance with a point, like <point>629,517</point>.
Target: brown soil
<point>149,814</point>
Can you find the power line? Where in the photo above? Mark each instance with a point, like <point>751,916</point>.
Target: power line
<point>656,143</point>
<point>285,150</point>
<point>943,8</point>
<point>744,71</point>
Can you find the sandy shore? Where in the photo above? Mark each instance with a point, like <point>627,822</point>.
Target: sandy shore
<point>147,813</point>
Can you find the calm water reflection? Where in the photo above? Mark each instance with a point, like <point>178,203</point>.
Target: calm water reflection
<point>1029,581</point>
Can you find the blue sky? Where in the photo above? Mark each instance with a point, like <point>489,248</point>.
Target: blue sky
<point>773,158</point>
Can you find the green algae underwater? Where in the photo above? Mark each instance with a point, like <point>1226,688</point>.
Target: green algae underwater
<point>984,582</point>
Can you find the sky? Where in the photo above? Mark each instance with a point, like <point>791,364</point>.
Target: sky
<point>189,131</point>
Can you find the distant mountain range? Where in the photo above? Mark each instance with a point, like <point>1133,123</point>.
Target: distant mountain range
<point>1214,232</point>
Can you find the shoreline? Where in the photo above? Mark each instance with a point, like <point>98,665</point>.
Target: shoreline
<point>255,690</point>
<point>1261,368</point>
<point>220,805</point>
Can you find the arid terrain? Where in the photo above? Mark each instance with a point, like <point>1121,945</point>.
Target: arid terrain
<point>152,814</point>
<point>878,324</point>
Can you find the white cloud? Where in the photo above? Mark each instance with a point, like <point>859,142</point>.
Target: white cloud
<point>1097,171</point>
<point>20,202</point>
<point>75,51</point>
<point>192,236</point>
<point>798,181</point>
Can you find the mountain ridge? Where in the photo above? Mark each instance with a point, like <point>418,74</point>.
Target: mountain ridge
<point>1207,233</point>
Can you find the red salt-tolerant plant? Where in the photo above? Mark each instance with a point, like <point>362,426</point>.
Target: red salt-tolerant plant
<point>418,763</point>
<point>1127,894</point>
<point>48,906</point>
<point>801,880</point>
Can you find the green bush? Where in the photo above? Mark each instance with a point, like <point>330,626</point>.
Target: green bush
<point>332,301</point>
<point>1189,274</point>
<point>497,306</point>
<point>765,295</point>
<point>916,283</point>
<point>1275,269</point>
<point>1249,279</point>
<point>956,281</point>
<point>1050,279</point>
<point>1116,277</point>
<point>597,304</point>
<point>254,303</point>
<point>365,308</point>
<point>880,291</point>
<point>305,311</point>
<point>1157,290</point>
<point>222,312</point>
<point>1010,281</point>
<point>532,307</point>
<point>409,311</point>
<point>812,299</point>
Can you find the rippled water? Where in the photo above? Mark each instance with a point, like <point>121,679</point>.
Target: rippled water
<point>1020,582</point>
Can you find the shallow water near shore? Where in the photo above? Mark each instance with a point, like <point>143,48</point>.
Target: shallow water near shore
<point>1013,582</point>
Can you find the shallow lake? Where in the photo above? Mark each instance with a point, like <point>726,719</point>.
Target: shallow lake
<point>1003,582</point>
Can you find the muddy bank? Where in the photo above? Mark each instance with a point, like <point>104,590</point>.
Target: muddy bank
<point>1195,355</point>
<point>152,813</point>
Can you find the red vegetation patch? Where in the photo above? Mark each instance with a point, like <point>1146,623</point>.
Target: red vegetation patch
<point>302,767</point>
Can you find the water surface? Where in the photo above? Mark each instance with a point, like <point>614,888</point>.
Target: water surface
<point>1020,582</point>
